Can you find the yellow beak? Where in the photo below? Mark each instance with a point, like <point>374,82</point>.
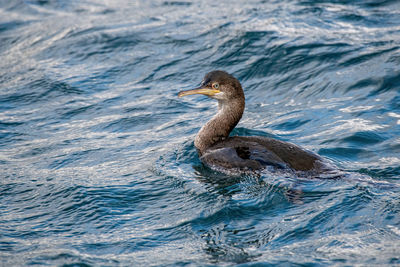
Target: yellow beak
<point>201,91</point>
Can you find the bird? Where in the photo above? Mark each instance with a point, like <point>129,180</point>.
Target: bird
<point>243,154</point>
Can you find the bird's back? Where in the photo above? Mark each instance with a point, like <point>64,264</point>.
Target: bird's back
<point>256,153</point>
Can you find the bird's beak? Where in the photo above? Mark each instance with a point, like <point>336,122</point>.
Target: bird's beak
<point>199,90</point>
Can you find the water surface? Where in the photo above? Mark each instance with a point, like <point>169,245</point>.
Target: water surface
<point>97,161</point>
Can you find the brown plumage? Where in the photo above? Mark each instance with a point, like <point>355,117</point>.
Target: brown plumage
<point>243,153</point>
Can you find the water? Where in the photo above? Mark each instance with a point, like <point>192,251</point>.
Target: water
<point>97,161</point>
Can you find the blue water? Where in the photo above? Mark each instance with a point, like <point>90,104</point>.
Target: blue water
<point>97,161</point>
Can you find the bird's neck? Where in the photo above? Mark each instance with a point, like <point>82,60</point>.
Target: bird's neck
<point>219,127</point>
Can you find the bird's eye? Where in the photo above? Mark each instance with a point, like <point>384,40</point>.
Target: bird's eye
<point>215,85</point>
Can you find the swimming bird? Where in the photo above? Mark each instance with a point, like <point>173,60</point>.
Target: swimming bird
<point>220,151</point>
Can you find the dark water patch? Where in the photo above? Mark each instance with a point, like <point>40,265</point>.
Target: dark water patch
<point>395,103</point>
<point>48,4</point>
<point>351,3</point>
<point>71,158</point>
<point>388,173</point>
<point>45,88</point>
<point>381,3</point>
<point>285,58</point>
<point>113,42</point>
<point>388,83</point>
<point>41,221</point>
<point>122,72</point>
<point>162,67</point>
<point>364,138</point>
<point>9,124</point>
<point>177,3</point>
<point>213,30</point>
<point>367,82</point>
<point>361,58</point>
<point>65,259</point>
<point>132,122</point>
<point>11,25</point>
<point>291,125</point>
<point>92,43</point>
<point>241,48</point>
<point>345,153</point>
<point>378,19</point>
<point>315,10</point>
<point>73,112</point>
<point>35,151</point>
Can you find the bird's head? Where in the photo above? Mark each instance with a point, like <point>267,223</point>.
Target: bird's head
<point>218,85</point>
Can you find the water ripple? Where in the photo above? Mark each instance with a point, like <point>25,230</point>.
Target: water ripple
<point>97,155</point>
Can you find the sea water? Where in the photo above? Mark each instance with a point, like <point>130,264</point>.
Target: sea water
<point>97,161</point>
